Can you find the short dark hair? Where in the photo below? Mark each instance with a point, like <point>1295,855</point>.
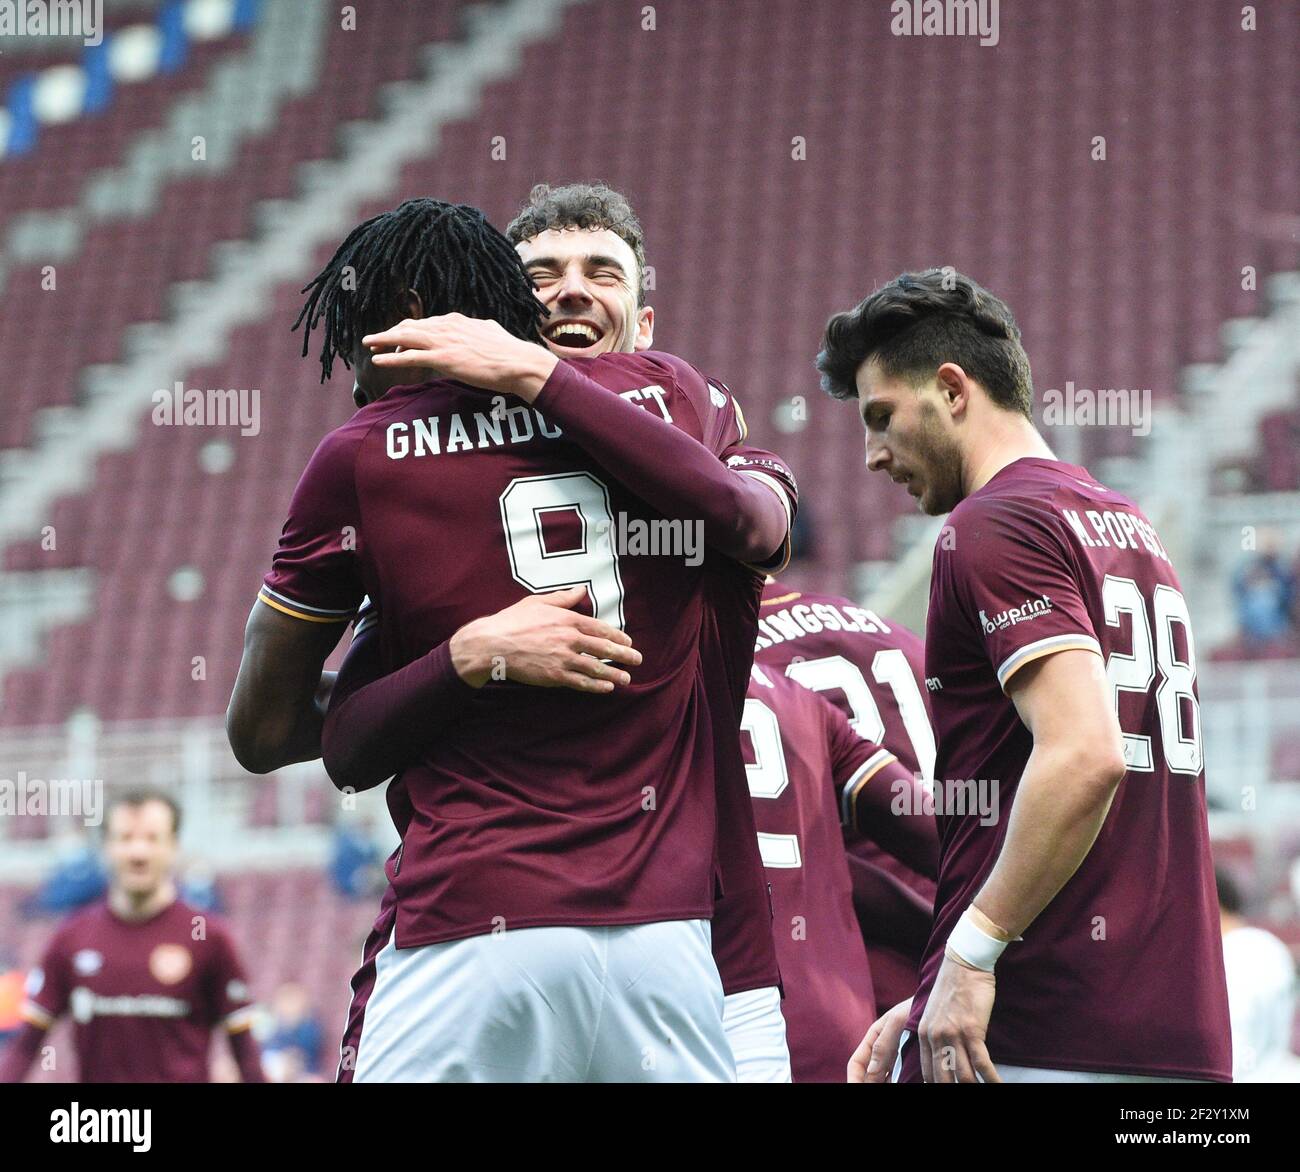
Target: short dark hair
<point>919,321</point>
<point>582,205</point>
<point>447,253</point>
<point>139,796</point>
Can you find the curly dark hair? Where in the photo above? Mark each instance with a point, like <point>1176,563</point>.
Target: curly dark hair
<point>919,321</point>
<point>581,205</point>
<point>447,253</point>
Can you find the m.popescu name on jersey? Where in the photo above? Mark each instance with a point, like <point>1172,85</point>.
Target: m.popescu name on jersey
<point>1118,530</point>
<point>793,622</point>
<point>1031,608</point>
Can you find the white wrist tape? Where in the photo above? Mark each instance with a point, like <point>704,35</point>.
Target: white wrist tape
<point>974,945</point>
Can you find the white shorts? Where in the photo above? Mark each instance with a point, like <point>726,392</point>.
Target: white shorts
<point>639,1003</point>
<point>1043,1074</point>
<point>756,1032</point>
<point>1046,1074</point>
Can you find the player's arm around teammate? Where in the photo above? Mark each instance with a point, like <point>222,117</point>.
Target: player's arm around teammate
<point>1076,765</point>
<point>743,518</point>
<point>277,710</point>
<point>377,724</point>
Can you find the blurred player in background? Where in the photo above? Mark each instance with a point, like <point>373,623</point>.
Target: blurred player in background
<point>1261,992</point>
<point>1062,677</point>
<point>146,977</point>
<point>873,671</point>
<point>810,773</point>
<point>635,441</point>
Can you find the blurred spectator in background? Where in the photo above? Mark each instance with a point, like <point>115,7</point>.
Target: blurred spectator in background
<point>12,981</point>
<point>291,1045</point>
<point>1265,589</point>
<point>356,865</point>
<point>79,876</point>
<point>1261,993</point>
<point>198,887</point>
<point>803,537</point>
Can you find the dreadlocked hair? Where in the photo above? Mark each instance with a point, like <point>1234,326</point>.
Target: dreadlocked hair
<point>447,253</point>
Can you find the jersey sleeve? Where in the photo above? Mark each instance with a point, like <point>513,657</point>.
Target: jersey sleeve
<point>378,724</point>
<point>316,572</point>
<point>854,760</point>
<point>724,432</point>
<point>229,999</point>
<point>1013,575</point>
<point>878,796</point>
<point>768,468</point>
<point>722,423</point>
<point>48,986</point>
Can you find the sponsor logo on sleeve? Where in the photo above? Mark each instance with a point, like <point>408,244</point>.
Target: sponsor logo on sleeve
<point>1030,609</point>
<point>761,463</point>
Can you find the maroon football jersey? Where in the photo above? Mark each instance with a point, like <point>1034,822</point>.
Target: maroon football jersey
<point>873,670</point>
<point>805,763</point>
<point>144,996</point>
<point>1123,971</point>
<point>540,807</point>
<point>743,948</point>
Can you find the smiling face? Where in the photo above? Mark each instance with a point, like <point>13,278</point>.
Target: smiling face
<point>588,280</point>
<point>910,435</point>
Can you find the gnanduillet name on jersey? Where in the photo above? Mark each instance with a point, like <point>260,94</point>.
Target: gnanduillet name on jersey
<point>793,622</point>
<point>499,427</point>
<point>442,435</point>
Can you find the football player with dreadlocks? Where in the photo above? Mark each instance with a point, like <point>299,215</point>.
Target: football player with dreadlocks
<point>582,907</point>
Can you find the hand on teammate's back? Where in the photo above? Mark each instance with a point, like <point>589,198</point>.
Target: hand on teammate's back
<point>541,641</point>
